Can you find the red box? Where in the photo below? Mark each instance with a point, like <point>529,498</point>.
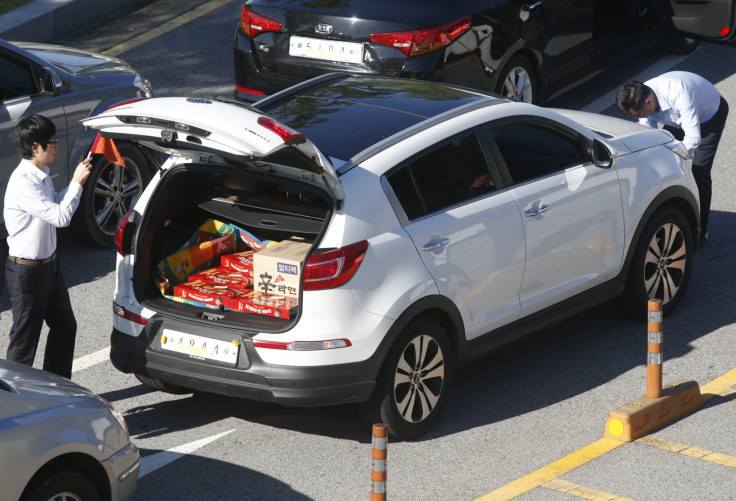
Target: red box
<point>223,276</point>
<point>203,292</point>
<point>242,262</point>
<point>263,304</point>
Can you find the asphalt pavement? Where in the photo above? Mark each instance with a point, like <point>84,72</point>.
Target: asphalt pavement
<point>526,424</point>
<point>45,20</point>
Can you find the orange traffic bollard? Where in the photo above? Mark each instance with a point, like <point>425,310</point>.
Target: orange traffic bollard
<point>660,405</point>
<point>654,349</point>
<point>378,463</point>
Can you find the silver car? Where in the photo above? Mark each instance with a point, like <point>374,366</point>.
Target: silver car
<point>67,85</point>
<point>60,441</point>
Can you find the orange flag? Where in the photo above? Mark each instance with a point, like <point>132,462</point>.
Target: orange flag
<point>107,147</point>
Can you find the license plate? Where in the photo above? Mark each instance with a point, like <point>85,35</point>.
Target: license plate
<point>199,347</point>
<point>327,50</point>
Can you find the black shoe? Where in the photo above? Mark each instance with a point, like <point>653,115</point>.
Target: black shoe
<point>703,240</point>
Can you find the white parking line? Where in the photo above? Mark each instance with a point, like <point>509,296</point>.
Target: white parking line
<point>90,360</point>
<point>156,461</point>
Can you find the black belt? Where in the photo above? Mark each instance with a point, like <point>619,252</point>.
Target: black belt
<point>32,262</point>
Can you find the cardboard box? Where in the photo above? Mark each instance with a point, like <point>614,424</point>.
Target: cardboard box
<point>278,269</point>
<point>223,276</point>
<point>263,304</point>
<point>241,262</point>
<point>203,292</point>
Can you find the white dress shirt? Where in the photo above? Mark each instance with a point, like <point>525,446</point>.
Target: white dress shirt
<point>686,100</point>
<point>33,211</point>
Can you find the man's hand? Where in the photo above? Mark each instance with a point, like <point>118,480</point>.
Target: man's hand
<point>81,173</point>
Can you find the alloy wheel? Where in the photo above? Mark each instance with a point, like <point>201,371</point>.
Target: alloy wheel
<point>419,378</point>
<point>518,85</point>
<point>665,263</point>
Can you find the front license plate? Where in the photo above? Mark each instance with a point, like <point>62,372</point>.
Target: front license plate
<point>327,50</point>
<point>202,348</point>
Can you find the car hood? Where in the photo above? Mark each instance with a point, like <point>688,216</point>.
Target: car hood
<point>75,61</point>
<point>631,134</point>
<point>192,126</point>
<point>25,380</point>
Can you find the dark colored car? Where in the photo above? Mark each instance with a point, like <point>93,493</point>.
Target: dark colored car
<point>67,85</point>
<point>528,51</point>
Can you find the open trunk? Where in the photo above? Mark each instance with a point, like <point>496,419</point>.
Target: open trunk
<point>267,207</point>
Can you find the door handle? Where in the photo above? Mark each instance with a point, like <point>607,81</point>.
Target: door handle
<point>537,211</point>
<point>436,245</point>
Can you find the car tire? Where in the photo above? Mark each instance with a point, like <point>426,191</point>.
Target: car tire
<point>518,81</point>
<point>422,346</point>
<point>63,485</point>
<point>662,263</point>
<point>109,193</point>
<point>159,385</point>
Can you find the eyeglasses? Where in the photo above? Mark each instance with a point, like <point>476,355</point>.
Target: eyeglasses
<point>54,143</point>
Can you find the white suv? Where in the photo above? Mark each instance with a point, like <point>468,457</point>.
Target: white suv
<point>443,223</point>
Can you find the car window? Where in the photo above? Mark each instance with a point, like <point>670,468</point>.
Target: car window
<point>16,80</point>
<point>531,151</point>
<point>442,177</point>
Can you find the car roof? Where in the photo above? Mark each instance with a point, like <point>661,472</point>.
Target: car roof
<point>344,115</point>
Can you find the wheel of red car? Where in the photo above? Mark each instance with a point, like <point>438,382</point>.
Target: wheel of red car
<point>62,486</point>
<point>109,193</point>
<point>662,263</point>
<point>518,81</point>
<point>414,383</point>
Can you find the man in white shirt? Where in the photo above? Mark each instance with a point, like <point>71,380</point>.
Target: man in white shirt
<point>693,111</point>
<point>33,211</point>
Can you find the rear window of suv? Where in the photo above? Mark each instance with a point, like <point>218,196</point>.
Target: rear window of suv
<point>348,116</point>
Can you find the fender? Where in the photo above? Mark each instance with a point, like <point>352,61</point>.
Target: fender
<point>677,196</point>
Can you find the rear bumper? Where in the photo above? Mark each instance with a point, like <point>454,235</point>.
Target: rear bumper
<point>251,378</point>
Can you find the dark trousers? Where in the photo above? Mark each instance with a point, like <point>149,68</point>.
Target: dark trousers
<point>710,136</point>
<point>37,294</point>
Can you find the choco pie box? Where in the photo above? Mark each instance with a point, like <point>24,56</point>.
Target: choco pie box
<point>263,304</point>
<point>277,269</point>
<point>223,276</point>
<point>207,293</point>
<point>241,262</point>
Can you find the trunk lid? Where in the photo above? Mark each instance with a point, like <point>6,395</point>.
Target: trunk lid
<point>193,127</point>
<point>313,39</point>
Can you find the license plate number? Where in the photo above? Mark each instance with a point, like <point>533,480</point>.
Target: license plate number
<point>327,50</point>
<point>199,347</point>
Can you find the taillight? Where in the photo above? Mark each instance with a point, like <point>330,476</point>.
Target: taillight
<point>127,101</point>
<point>122,312</point>
<point>252,24</point>
<point>334,268</point>
<point>289,135</point>
<point>418,42</point>
<point>124,233</point>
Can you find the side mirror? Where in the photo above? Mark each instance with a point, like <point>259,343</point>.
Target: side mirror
<point>602,155</point>
<point>50,82</point>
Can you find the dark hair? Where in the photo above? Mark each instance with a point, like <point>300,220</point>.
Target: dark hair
<point>33,129</point>
<point>631,96</point>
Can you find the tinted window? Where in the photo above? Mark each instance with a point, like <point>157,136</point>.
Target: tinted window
<point>442,177</point>
<point>532,151</point>
<point>15,80</point>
